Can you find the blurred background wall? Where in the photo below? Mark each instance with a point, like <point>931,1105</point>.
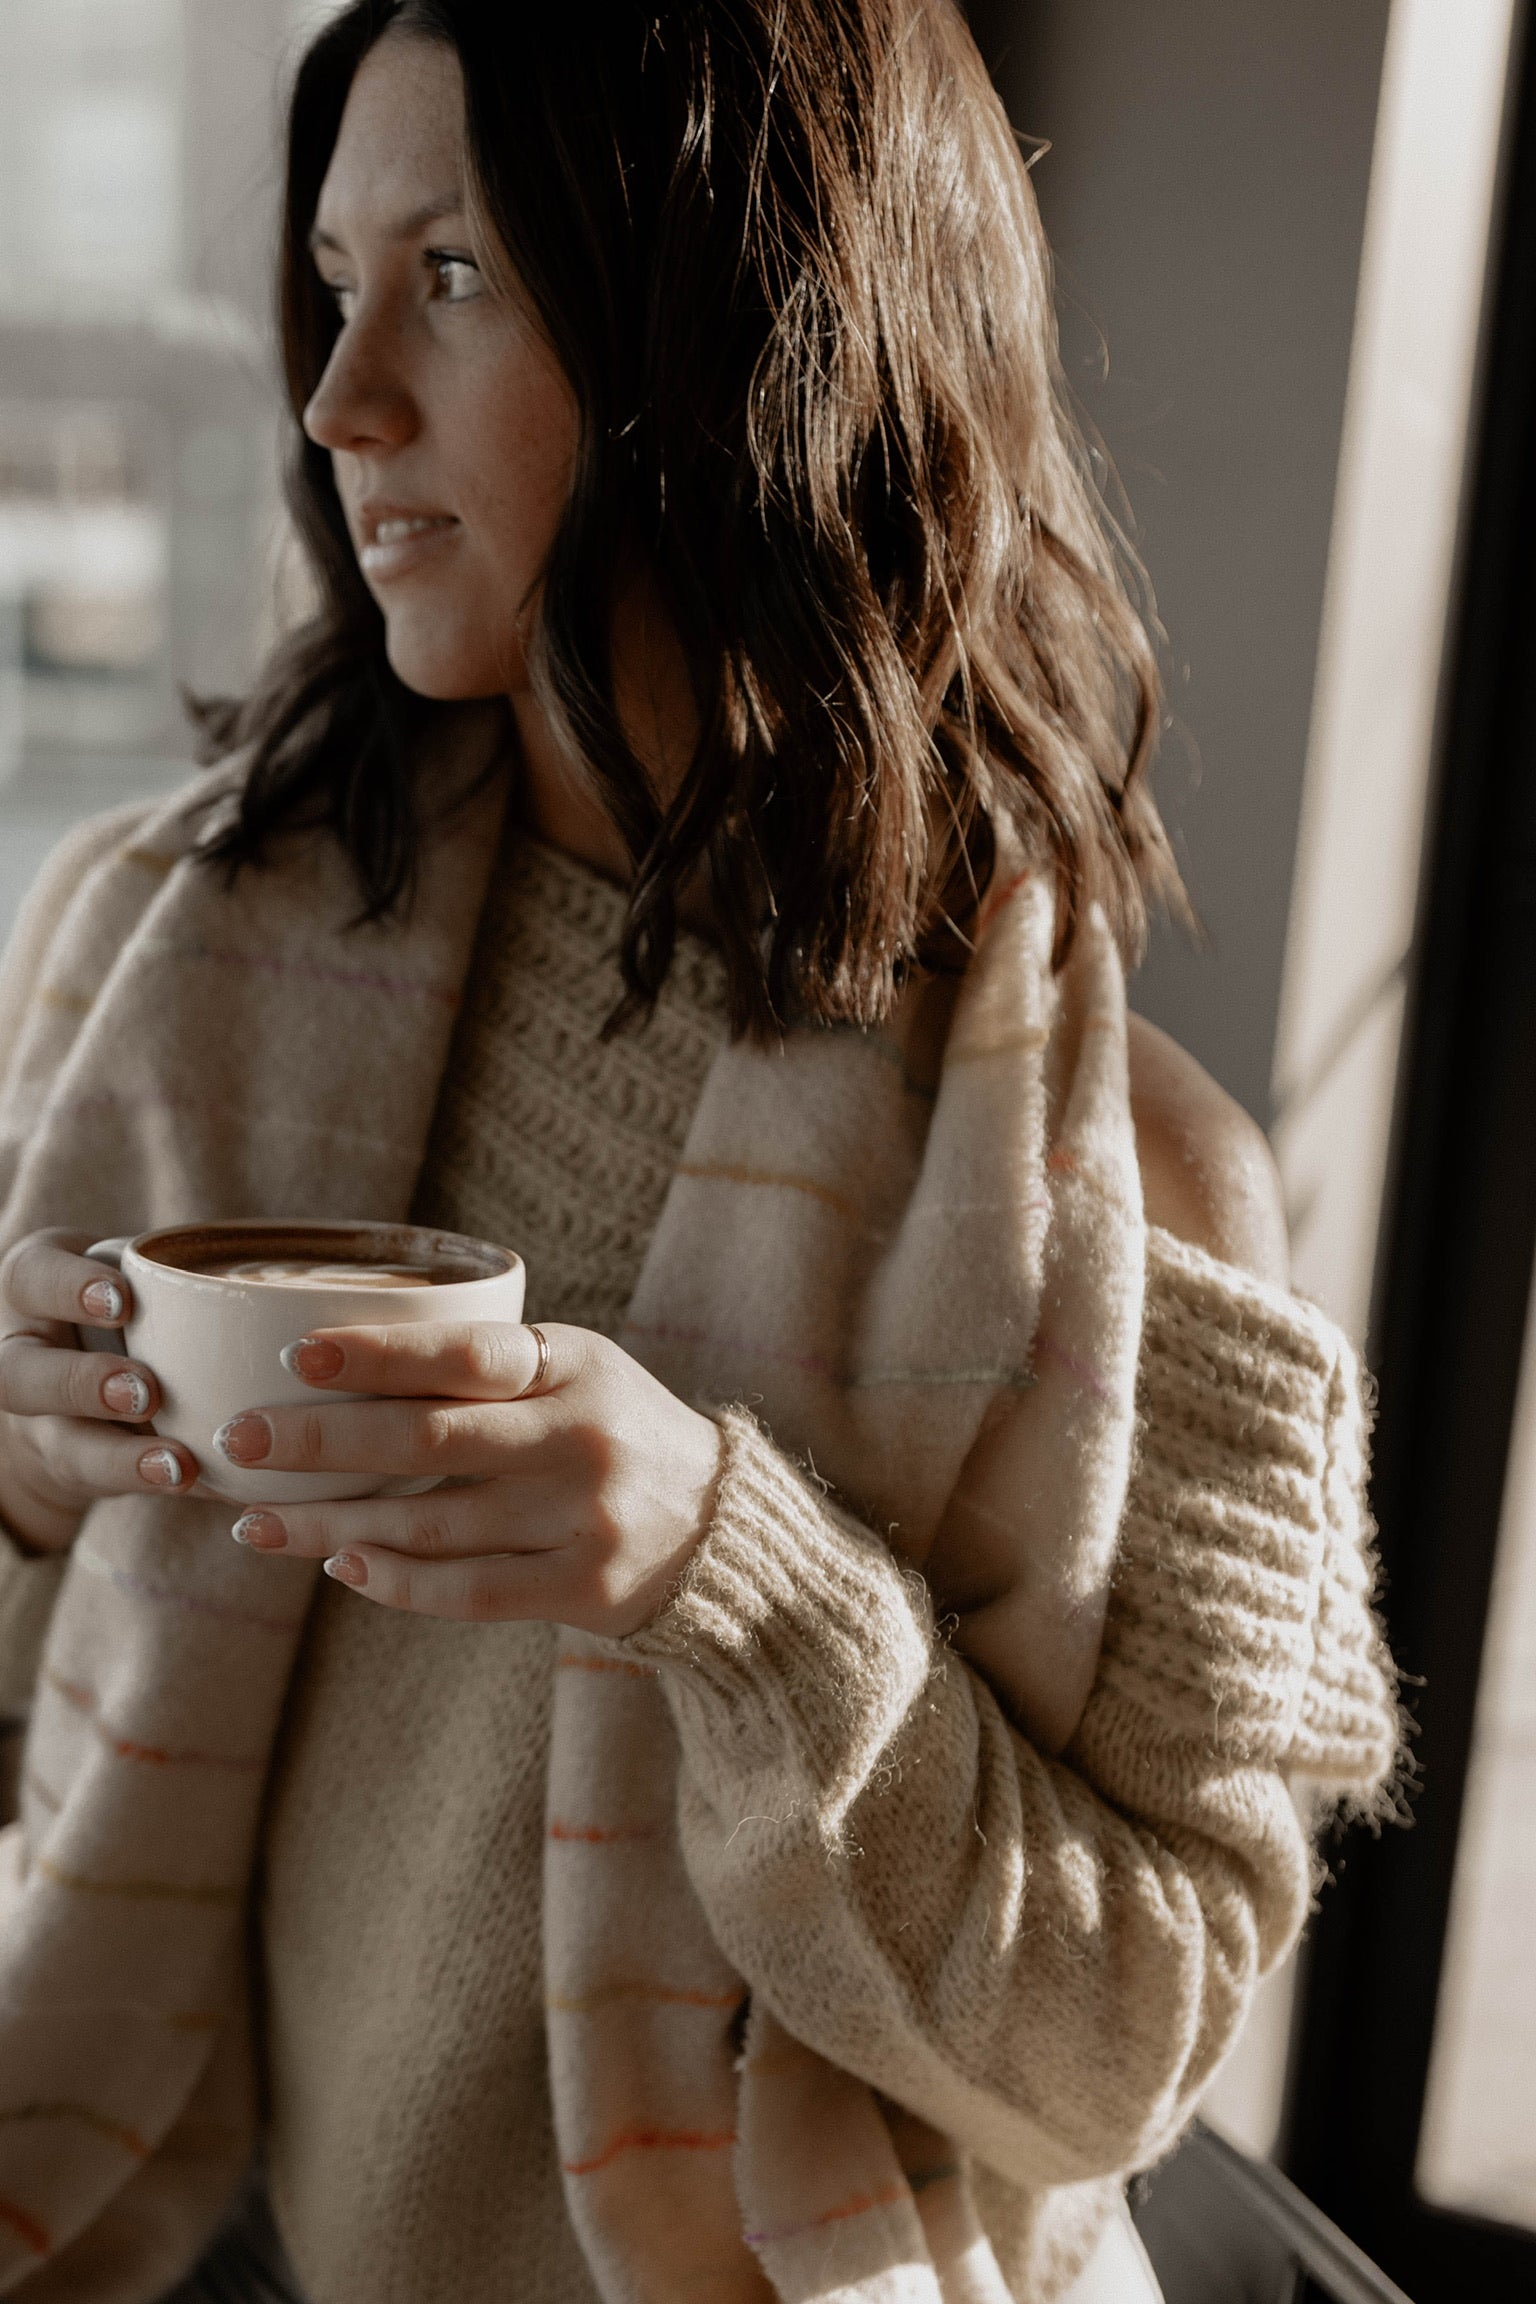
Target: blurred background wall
<point>137,476</point>
<point>1204,189</point>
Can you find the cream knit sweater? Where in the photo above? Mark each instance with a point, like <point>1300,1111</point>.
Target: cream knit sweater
<point>1047,1959</point>
<point>411,2149</point>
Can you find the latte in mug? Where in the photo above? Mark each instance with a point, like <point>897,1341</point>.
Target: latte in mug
<point>214,1306</point>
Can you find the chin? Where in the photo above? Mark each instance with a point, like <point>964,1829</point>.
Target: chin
<point>447,668</point>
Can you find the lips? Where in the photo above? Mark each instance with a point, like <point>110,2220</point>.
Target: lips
<point>394,541</point>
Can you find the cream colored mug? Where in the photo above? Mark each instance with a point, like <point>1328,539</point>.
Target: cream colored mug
<point>215,1304</point>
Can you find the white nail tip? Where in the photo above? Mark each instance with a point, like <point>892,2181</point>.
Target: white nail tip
<point>166,1461</point>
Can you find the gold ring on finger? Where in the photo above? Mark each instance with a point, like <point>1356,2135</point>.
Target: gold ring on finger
<point>535,1382</point>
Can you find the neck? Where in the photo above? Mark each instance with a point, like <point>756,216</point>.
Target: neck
<point>656,706</point>
<point>556,801</point>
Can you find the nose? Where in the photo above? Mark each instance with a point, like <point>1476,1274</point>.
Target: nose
<point>363,399</point>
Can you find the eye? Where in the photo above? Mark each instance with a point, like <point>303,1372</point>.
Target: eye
<point>341,294</point>
<point>458,277</point>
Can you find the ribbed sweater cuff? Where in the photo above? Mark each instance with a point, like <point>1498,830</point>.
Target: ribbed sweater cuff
<point>28,1589</point>
<point>794,1634</point>
<point>1239,1622</point>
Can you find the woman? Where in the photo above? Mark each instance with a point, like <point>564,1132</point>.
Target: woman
<point>644,1898</point>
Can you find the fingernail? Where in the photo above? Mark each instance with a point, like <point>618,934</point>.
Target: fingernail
<point>245,1439</point>
<point>161,1468</point>
<point>347,1568</point>
<point>315,1358</point>
<point>262,1531</point>
<point>102,1300</point>
<point>126,1394</point>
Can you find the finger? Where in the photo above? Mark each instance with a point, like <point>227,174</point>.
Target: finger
<point>396,1439</point>
<point>444,1524</point>
<point>494,1589</point>
<point>37,1378</point>
<point>45,1277</point>
<point>93,1460</point>
<point>446,1360</point>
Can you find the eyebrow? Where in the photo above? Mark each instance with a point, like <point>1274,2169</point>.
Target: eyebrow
<point>405,228</point>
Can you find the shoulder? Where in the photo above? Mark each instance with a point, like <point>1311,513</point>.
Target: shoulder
<point>167,825</point>
<point>1207,1172</point>
<point>77,853</point>
<point>173,820</point>
<point>42,910</point>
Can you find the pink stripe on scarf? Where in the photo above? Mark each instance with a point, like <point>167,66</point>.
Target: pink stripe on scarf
<point>304,972</point>
<point>166,1595</point>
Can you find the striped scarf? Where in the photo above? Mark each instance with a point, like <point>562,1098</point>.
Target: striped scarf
<point>189,1050</point>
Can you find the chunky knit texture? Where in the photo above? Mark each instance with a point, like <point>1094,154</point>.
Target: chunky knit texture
<point>546,1133</point>
<point>410,2143</point>
<point>786,1802</point>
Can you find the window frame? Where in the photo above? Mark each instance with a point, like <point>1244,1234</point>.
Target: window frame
<point>1458,1244</point>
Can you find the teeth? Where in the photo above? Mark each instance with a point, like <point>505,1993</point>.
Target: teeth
<point>396,531</point>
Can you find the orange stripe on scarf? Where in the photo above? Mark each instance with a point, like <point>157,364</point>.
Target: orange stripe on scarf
<point>27,2229</point>
<point>87,2116</point>
<point>724,1172</point>
<point>652,2140</point>
<point>669,1995</point>
<point>153,1891</point>
<point>861,2204</point>
<point>600,1835</point>
<point>85,1701</point>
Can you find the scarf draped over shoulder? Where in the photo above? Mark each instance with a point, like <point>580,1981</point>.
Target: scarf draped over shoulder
<point>882,1244</point>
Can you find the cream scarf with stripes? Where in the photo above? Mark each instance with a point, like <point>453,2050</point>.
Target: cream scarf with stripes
<point>187,1050</point>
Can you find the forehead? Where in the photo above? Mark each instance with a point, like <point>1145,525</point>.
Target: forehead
<point>400,149</point>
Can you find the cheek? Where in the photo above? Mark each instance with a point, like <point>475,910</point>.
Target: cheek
<point>509,440</point>
<point>517,477</point>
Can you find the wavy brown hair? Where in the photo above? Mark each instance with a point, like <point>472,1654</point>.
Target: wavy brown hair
<point>788,255</point>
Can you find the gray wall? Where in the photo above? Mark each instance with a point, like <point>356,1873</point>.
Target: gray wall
<point>1205,196</point>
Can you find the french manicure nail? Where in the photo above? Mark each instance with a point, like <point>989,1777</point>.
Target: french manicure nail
<point>245,1439</point>
<point>347,1568</point>
<point>161,1468</point>
<point>126,1393</point>
<point>315,1358</point>
<point>102,1300</point>
<point>262,1531</point>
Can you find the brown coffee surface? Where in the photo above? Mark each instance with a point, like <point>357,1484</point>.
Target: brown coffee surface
<point>309,1272</point>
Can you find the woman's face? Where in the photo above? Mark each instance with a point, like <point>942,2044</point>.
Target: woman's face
<point>450,424</point>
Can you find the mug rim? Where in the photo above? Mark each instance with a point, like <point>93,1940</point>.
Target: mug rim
<point>412,1245</point>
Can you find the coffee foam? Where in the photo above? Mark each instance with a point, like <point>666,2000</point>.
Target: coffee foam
<point>304,1272</point>
<point>325,1255</point>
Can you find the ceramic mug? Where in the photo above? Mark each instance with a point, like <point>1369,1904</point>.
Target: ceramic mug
<point>214,1337</point>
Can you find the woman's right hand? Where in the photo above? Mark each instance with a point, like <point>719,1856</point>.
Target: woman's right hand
<point>73,1424</point>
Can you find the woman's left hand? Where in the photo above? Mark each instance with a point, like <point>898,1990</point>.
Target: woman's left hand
<point>584,1500</point>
